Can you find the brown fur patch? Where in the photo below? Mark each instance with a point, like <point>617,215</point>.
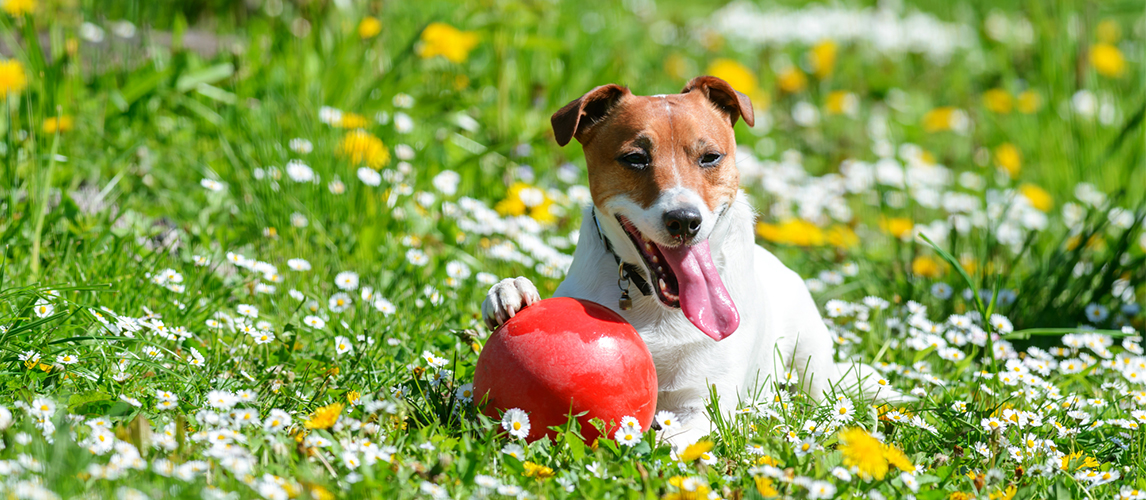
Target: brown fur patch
<point>676,131</point>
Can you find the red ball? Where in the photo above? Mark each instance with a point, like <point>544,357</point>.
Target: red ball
<point>564,356</point>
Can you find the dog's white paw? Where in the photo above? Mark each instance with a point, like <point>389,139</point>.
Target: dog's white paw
<point>506,299</point>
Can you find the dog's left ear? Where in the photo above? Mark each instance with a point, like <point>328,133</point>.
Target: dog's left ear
<point>577,117</point>
<point>726,98</point>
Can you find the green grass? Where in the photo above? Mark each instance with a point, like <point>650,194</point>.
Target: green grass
<point>92,216</point>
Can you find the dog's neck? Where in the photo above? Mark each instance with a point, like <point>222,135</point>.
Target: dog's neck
<point>626,271</point>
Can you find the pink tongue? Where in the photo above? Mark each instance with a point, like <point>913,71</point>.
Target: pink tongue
<point>703,298</point>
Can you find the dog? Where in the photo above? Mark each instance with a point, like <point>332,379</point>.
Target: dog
<point>668,243</point>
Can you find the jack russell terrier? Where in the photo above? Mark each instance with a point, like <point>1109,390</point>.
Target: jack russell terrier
<point>669,219</point>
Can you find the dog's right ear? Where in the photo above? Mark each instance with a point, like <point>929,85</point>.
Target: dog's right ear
<point>728,99</point>
<point>576,117</point>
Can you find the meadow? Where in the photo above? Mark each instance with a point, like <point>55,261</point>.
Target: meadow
<point>245,244</point>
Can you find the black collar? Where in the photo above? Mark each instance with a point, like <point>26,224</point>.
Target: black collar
<point>631,271</point>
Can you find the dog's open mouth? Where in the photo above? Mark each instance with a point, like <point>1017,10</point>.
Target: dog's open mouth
<point>685,277</point>
<point>663,281</point>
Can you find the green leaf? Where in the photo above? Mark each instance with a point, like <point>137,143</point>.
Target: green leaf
<point>932,494</point>
<point>210,74</point>
<point>1061,491</point>
<point>576,445</point>
<point>120,409</point>
<point>138,87</point>
<point>610,444</point>
<point>513,465</point>
<point>83,398</point>
<point>215,93</point>
<point>1037,332</point>
<point>923,354</point>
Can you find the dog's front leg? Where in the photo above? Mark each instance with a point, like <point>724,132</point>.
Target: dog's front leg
<point>506,298</point>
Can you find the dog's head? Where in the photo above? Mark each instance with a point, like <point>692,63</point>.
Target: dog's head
<point>662,171</point>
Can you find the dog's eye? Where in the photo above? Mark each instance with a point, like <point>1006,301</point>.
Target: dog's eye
<point>635,160</point>
<point>710,159</point>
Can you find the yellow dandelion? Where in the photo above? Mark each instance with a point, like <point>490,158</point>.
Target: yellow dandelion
<point>325,417</point>
<point>370,27</point>
<point>768,460</point>
<point>440,39</point>
<point>897,458</point>
<point>538,471</point>
<point>969,264</point>
<point>927,267</point>
<point>524,199</point>
<point>319,493</point>
<point>1107,60</point>
<point>1078,460</point>
<point>863,452</point>
<point>764,487</point>
<point>1006,494</point>
<point>1039,197</point>
<point>740,78</point>
<point>694,451</point>
<point>939,119</point>
<point>792,80</point>
<point>841,102</point>
<point>998,101</point>
<point>1008,158</point>
<point>823,58</point>
<point>1029,101</point>
<point>13,79</point>
<point>58,124</point>
<point>17,8</point>
<point>362,148</point>
<point>927,157</point>
<point>897,227</point>
<point>353,120</point>
<point>690,489</point>
<point>843,237</point>
<point>797,232</point>
<point>737,75</point>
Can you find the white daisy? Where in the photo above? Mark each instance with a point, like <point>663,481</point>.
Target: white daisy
<point>346,280</point>
<point>342,345</point>
<point>627,436</point>
<point>516,422</point>
<point>666,419</point>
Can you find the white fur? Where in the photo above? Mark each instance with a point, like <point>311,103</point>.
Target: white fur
<point>780,326</point>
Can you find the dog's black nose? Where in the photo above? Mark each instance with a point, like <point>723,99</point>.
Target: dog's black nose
<point>683,222</point>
